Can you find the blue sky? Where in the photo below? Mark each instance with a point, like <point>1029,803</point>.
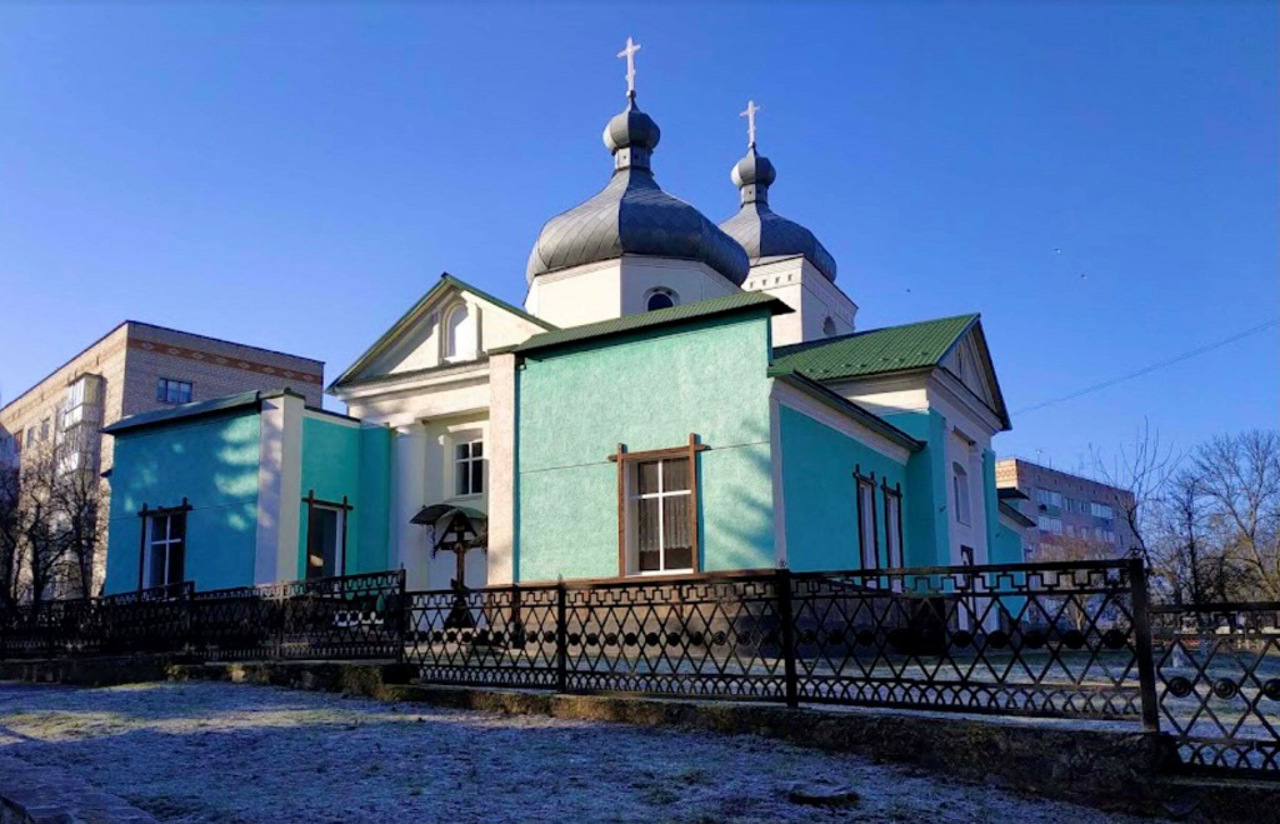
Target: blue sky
<point>1099,180</point>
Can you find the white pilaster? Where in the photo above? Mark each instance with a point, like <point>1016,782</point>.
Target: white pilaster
<point>409,471</point>
<point>502,467</point>
<point>279,489</point>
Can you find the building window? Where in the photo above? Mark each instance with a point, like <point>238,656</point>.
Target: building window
<point>468,468</point>
<point>31,437</point>
<point>166,549</point>
<point>173,391</point>
<point>1047,497</point>
<point>1051,524</point>
<point>658,510</point>
<point>893,526</point>
<point>868,545</point>
<point>1101,510</point>
<point>459,334</point>
<point>660,298</point>
<point>967,555</point>
<point>44,430</point>
<point>829,328</point>
<point>960,492</point>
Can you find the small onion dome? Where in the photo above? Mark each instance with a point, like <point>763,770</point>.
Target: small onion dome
<point>761,231</point>
<point>632,215</point>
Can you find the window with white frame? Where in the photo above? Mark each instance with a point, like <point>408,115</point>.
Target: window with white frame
<point>960,493</point>
<point>173,391</point>
<point>468,467</point>
<point>1101,510</point>
<point>661,515</point>
<point>893,526</point>
<point>166,548</point>
<point>868,545</point>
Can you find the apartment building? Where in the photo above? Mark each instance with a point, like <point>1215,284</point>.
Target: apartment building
<point>138,367</point>
<point>1066,509</point>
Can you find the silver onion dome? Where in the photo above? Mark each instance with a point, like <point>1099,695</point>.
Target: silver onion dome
<point>632,215</point>
<point>763,232</point>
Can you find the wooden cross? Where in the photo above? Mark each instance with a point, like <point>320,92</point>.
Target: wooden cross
<point>750,115</point>
<point>630,53</point>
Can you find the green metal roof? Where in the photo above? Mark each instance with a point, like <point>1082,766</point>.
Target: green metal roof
<point>738,302</point>
<point>189,410</point>
<point>876,351</point>
<point>446,280</point>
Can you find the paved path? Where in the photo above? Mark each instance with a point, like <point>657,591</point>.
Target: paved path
<point>211,752</point>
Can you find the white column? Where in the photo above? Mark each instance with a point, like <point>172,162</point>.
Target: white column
<point>502,468</point>
<point>409,477</point>
<point>279,489</point>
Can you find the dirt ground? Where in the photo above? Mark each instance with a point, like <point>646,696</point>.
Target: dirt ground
<point>207,752</point>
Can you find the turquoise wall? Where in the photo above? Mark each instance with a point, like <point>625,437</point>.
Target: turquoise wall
<point>1007,545</point>
<point>927,488</point>
<point>213,462</point>
<point>648,391</point>
<point>375,500</point>
<point>339,459</point>
<point>820,493</point>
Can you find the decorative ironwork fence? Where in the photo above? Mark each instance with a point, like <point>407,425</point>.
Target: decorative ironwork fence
<point>151,620</point>
<point>1219,685</point>
<point>349,617</point>
<point>352,617</point>
<point>1065,639</point>
<point>1071,639</point>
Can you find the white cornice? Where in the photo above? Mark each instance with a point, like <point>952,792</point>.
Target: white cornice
<point>434,380</point>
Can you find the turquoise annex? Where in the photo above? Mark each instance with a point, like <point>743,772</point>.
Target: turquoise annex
<point>674,397</point>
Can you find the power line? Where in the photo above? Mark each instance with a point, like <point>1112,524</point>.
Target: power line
<point>1152,367</point>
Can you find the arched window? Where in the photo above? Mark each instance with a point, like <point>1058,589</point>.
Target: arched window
<point>660,298</point>
<point>459,334</point>
<point>829,328</point>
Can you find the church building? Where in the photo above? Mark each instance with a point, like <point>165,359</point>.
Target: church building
<point>674,397</point>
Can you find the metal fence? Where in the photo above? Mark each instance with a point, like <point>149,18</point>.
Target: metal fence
<point>1219,685</point>
<point>1047,639</point>
<point>352,617</point>
<point>1070,639</point>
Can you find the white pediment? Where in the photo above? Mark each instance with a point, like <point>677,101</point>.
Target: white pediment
<point>452,324</point>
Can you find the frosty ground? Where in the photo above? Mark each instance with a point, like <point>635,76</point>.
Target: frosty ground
<point>206,752</point>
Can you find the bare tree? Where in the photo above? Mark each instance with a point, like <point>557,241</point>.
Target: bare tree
<point>1143,468</point>
<point>11,532</point>
<point>1240,477</point>
<point>51,523</point>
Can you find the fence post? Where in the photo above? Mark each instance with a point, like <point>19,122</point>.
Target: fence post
<point>1142,639</point>
<point>782,590</point>
<point>404,614</point>
<point>562,639</point>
